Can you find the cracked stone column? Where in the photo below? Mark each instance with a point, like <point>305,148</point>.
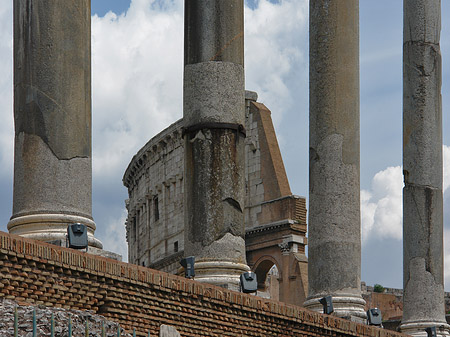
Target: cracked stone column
<point>334,241</point>
<point>52,115</point>
<point>214,115</point>
<point>423,278</point>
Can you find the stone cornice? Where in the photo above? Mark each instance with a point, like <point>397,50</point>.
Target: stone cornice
<point>153,146</point>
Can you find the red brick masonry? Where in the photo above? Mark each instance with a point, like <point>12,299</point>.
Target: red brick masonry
<point>37,273</point>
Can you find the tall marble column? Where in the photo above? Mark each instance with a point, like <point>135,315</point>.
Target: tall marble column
<point>334,266</point>
<point>214,116</point>
<point>52,115</point>
<point>423,278</point>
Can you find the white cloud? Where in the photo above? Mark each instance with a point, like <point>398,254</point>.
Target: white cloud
<point>137,80</point>
<point>6,94</point>
<point>446,182</point>
<point>137,68</point>
<point>381,207</point>
<point>114,239</point>
<point>275,57</point>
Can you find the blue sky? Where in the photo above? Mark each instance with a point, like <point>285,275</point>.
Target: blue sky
<point>101,7</point>
<point>137,63</point>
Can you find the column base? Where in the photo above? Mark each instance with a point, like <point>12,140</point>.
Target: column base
<point>348,306</point>
<point>417,328</point>
<point>224,274</point>
<point>50,227</point>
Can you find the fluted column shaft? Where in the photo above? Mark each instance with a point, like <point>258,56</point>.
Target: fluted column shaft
<point>52,115</point>
<point>334,265</point>
<point>423,278</point>
<point>214,115</point>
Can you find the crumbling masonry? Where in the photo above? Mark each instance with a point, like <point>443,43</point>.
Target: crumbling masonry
<point>423,273</point>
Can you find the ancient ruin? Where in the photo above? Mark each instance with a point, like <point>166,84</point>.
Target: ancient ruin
<point>224,166</point>
<point>275,220</point>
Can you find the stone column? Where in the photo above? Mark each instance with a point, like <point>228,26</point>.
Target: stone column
<point>423,278</point>
<point>214,116</point>
<point>52,115</point>
<point>334,266</point>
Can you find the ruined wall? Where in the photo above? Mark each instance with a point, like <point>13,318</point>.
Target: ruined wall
<point>79,320</point>
<point>265,172</point>
<point>156,173</point>
<point>390,302</point>
<point>37,273</point>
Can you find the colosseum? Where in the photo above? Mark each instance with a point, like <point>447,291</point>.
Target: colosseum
<point>275,219</point>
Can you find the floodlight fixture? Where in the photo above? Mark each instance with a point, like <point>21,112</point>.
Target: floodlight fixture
<point>374,317</point>
<point>188,265</point>
<point>431,331</point>
<point>249,283</point>
<point>77,236</point>
<point>327,303</point>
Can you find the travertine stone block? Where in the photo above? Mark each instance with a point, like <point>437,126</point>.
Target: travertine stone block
<point>215,91</point>
<point>168,331</point>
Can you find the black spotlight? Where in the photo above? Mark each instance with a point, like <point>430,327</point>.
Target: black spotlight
<point>249,283</point>
<point>77,236</point>
<point>431,331</point>
<point>188,265</point>
<point>327,303</point>
<point>374,317</point>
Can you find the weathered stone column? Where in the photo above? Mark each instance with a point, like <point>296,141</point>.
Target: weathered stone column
<point>214,115</point>
<point>423,278</point>
<point>334,266</point>
<point>52,114</point>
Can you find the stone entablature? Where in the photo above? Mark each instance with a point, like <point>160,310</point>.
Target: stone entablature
<point>154,178</point>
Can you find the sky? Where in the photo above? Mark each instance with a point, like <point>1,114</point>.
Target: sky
<point>137,66</point>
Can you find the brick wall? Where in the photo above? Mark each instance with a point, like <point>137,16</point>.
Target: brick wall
<point>32,272</point>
